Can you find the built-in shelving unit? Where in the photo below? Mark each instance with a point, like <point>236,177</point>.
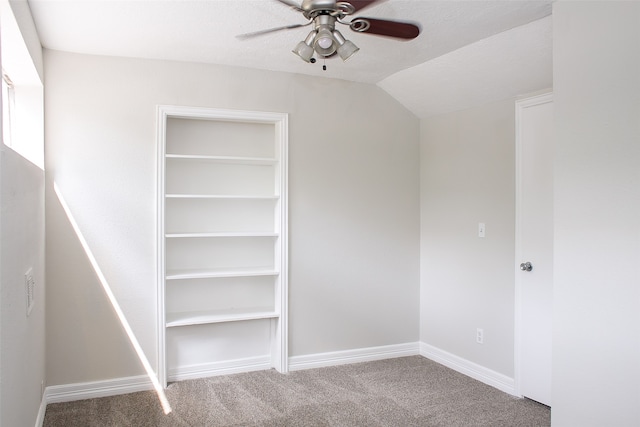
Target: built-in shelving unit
<point>222,241</point>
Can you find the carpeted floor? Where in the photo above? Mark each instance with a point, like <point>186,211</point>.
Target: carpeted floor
<point>403,392</point>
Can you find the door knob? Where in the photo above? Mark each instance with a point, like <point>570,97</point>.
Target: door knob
<point>526,266</point>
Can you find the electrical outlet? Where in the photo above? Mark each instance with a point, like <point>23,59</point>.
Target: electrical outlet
<point>479,336</point>
<point>30,285</point>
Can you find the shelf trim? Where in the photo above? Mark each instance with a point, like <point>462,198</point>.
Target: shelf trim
<point>219,196</point>
<point>212,274</point>
<point>222,234</point>
<point>219,316</point>
<point>225,159</point>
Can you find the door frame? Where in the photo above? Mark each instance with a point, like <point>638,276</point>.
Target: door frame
<point>520,106</point>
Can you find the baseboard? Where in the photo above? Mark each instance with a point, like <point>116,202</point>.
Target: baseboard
<point>334,358</point>
<point>219,368</point>
<point>116,386</point>
<point>41,411</point>
<point>468,368</point>
<point>90,390</point>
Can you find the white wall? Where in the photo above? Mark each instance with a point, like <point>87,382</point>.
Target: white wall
<point>22,13</point>
<point>22,341</point>
<point>467,177</point>
<point>22,337</point>
<point>596,339</point>
<point>353,196</point>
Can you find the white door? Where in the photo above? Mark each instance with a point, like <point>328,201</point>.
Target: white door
<point>534,247</point>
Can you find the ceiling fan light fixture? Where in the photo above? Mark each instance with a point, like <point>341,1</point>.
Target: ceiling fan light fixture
<point>324,43</point>
<point>324,40</point>
<point>304,49</point>
<point>346,48</point>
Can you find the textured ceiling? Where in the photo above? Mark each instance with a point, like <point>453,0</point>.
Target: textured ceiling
<point>468,53</point>
<point>508,64</point>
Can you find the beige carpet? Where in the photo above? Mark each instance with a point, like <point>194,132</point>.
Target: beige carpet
<point>403,392</point>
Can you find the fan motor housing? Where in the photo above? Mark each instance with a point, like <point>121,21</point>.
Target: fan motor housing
<point>312,7</point>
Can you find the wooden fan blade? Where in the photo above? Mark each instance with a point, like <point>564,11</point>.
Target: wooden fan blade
<point>291,4</point>
<point>361,4</point>
<point>270,30</point>
<point>383,27</point>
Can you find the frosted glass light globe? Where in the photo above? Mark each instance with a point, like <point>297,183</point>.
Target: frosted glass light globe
<point>325,42</point>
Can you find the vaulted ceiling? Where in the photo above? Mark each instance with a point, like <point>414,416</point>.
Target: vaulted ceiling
<point>468,53</point>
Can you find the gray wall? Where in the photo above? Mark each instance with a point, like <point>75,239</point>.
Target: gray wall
<point>22,342</point>
<point>22,338</point>
<point>596,338</point>
<point>467,177</point>
<point>354,203</point>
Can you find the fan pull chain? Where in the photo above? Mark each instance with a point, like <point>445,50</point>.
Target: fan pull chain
<point>324,62</point>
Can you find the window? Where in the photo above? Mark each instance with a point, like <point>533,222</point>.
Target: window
<point>22,92</point>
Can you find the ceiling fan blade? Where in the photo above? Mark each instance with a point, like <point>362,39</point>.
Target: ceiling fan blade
<point>361,4</point>
<point>270,30</point>
<point>291,4</point>
<point>383,27</point>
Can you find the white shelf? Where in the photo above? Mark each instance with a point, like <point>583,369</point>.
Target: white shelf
<point>220,196</point>
<point>219,234</point>
<point>222,236</point>
<point>213,273</point>
<point>225,159</point>
<point>219,316</point>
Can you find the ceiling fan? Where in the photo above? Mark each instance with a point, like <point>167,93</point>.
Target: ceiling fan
<point>325,40</point>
